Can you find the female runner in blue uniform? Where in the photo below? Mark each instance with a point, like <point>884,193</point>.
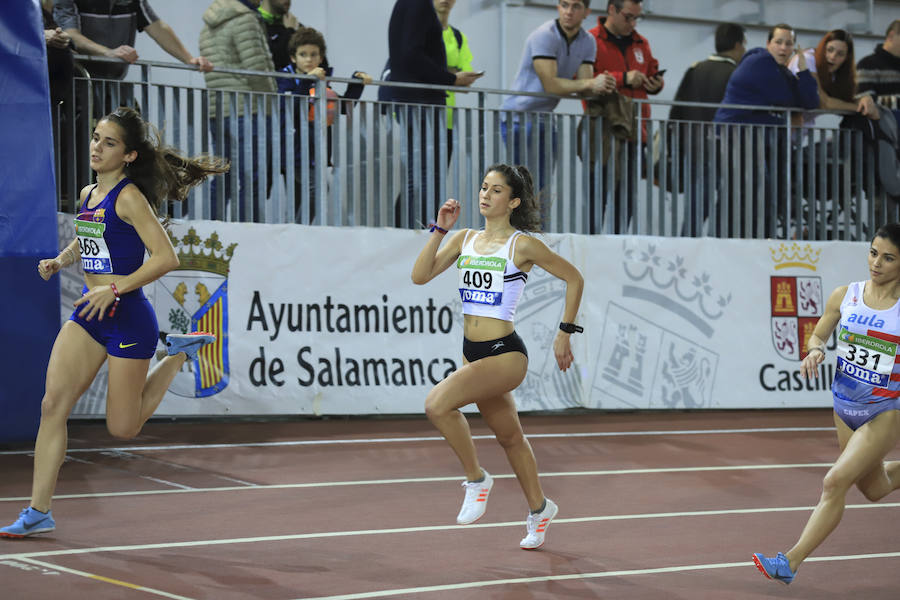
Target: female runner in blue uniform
<point>866,392</point>
<point>493,267</point>
<point>113,320</point>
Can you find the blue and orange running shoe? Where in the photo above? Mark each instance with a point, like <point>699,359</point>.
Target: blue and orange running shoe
<point>777,568</point>
<point>189,343</point>
<point>30,521</point>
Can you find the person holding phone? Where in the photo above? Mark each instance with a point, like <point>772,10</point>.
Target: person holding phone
<point>417,54</point>
<point>459,59</point>
<point>624,54</point>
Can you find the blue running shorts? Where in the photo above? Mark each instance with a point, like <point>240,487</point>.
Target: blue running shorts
<point>857,414</point>
<point>131,333</point>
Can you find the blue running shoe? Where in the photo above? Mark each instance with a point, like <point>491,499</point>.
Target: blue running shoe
<point>30,521</point>
<point>189,343</point>
<point>777,568</point>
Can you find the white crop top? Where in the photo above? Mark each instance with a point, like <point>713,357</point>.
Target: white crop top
<point>490,285</point>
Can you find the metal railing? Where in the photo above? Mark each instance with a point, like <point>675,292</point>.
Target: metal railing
<point>391,164</point>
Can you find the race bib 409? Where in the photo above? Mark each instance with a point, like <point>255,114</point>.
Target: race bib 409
<point>481,279</point>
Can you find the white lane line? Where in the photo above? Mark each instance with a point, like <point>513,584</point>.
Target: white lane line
<point>232,479</point>
<point>104,579</point>
<point>425,528</point>
<point>396,440</point>
<point>132,456</point>
<point>578,576</point>
<point>325,484</point>
<point>171,484</point>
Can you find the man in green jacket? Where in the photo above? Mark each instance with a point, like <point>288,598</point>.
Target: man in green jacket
<point>234,37</point>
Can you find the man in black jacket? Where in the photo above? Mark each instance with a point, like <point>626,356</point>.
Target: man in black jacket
<point>879,73</point>
<point>704,81</point>
<point>417,55</point>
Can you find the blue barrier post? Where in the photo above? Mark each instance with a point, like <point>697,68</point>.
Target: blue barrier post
<point>29,306</point>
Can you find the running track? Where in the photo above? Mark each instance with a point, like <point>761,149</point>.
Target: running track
<point>652,506</point>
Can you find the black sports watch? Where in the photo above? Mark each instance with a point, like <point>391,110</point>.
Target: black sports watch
<point>570,328</point>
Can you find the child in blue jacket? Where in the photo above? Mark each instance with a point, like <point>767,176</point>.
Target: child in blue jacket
<point>307,51</point>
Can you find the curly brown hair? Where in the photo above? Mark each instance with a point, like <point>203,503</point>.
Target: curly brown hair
<point>304,36</point>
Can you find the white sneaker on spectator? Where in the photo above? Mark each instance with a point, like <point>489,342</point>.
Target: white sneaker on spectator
<point>475,502</point>
<point>537,525</point>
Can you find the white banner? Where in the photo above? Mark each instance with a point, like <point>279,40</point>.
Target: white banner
<point>708,323</point>
<point>320,320</point>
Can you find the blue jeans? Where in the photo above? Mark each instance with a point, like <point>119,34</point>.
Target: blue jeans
<point>538,165</point>
<point>249,195</point>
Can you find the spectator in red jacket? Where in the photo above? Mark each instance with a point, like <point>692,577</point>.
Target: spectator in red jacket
<point>625,54</point>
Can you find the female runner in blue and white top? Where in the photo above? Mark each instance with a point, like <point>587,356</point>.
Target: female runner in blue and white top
<point>866,392</point>
<point>113,320</point>
<point>493,267</point>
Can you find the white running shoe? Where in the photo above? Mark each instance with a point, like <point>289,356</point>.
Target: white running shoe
<point>537,525</point>
<point>475,502</point>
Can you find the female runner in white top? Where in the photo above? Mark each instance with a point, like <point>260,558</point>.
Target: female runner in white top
<point>866,396</point>
<point>507,202</point>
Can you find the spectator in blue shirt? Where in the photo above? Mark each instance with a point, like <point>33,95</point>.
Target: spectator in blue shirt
<point>762,78</point>
<point>558,58</point>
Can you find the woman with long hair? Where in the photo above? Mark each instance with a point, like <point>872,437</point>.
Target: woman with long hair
<point>833,65</point>
<point>118,220</point>
<point>493,267</point>
<point>866,394</point>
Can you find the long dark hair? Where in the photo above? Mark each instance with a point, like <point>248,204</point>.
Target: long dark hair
<point>843,84</point>
<point>159,171</point>
<point>527,216</point>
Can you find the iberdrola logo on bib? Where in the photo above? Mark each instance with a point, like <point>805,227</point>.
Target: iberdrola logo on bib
<point>194,297</point>
<point>491,263</point>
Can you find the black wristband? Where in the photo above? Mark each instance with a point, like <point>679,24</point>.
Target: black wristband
<point>570,328</point>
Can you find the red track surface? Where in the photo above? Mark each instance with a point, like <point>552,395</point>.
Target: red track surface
<point>289,518</point>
